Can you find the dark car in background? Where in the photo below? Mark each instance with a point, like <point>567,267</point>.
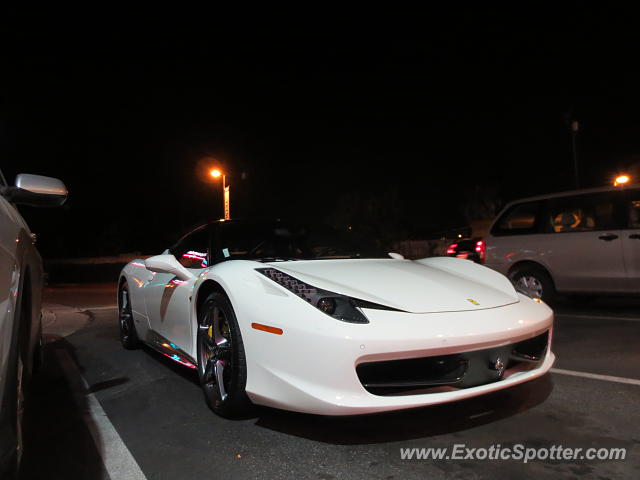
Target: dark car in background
<point>468,248</point>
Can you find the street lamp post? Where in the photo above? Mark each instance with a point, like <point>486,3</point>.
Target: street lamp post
<point>226,193</point>
<point>574,133</point>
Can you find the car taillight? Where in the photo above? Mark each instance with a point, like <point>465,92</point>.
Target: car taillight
<point>452,249</point>
<point>481,248</point>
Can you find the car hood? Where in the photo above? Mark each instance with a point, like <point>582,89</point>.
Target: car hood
<point>423,286</point>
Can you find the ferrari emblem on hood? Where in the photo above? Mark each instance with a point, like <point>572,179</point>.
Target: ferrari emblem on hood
<point>472,301</point>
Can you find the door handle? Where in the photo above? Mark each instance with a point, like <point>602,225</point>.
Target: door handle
<point>608,238</point>
<point>635,235</point>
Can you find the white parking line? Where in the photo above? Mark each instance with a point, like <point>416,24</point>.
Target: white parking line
<point>595,376</point>
<point>116,457</point>
<point>598,317</point>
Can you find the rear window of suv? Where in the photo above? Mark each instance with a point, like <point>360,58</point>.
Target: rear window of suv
<point>633,205</point>
<point>584,213</point>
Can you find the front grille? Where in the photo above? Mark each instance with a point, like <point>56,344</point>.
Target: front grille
<point>460,370</point>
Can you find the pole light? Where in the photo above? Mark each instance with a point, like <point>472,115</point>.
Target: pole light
<point>226,193</point>
<point>575,127</point>
<point>621,180</point>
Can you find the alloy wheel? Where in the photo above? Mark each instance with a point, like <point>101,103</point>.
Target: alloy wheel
<point>530,285</point>
<point>125,316</point>
<point>215,352</point>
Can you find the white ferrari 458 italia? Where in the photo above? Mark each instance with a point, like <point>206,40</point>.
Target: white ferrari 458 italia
<point>308,319</point>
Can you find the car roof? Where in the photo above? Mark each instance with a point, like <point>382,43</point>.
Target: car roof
<point>570,193</point>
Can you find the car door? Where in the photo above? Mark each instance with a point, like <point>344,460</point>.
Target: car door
<point>631,239</point>
<point>168,299</point>
<point>583,246</point>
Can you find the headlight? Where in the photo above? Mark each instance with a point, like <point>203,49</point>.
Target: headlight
<point>338,306</point>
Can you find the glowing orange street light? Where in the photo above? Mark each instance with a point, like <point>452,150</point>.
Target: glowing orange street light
<point>621,180</point>
<point>215,173</point>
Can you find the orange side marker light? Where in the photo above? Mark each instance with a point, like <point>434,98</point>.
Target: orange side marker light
<point>267,328</point>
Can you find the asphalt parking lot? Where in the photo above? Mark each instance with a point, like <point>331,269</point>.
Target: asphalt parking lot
<point>99,411</point>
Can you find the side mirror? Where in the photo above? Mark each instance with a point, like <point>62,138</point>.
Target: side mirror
<point>167,263</point>
<point>36,191</point>
<point>396,256</point>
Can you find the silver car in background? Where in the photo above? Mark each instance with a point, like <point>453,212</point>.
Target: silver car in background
<point>577,242</point>
<point>20,300</point>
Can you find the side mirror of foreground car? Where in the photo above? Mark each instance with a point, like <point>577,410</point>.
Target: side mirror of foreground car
<point>36,191</point>
<point>168,264</point>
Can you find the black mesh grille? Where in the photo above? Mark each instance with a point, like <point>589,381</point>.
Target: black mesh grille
<point>460,370</point>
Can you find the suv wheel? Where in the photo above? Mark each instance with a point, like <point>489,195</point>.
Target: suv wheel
<point>534,282</point>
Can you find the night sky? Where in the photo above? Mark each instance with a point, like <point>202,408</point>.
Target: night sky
<point>389,121</point>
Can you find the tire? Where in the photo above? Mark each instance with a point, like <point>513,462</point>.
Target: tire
<point>21,395</point>
<point>38,354</point>
<point>535,282</point>
<point>126,324</point>
<point>222,365</point>
<point>16,391</point>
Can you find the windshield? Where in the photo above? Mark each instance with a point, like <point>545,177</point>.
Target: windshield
<point>280,242</point>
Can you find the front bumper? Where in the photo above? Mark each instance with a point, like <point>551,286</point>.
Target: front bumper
<point>439,373</point>
<point>313,366</point>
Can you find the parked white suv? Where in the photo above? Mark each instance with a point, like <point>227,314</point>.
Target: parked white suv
<point>583,241</point>
<point>20,296</point>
